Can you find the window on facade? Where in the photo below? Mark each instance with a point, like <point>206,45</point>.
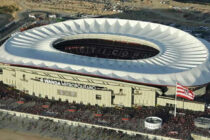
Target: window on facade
<point>121,91</point>
<point>1,71</point>
<point>24,77</point>
<point>172,105</point>
<point>98,97</point>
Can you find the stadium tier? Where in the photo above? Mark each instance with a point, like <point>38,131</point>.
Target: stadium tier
<point>105,61</point>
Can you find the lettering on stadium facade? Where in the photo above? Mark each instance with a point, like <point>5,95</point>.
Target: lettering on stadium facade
<point>68,84</point>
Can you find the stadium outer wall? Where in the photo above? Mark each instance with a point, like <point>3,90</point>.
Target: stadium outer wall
<point>89,90</point>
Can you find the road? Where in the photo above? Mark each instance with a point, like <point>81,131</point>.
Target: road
<point>4,19</point>
<point>21,20</point>
<point>13,28</point>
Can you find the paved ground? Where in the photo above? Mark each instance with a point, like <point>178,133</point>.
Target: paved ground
<point>4,19</point>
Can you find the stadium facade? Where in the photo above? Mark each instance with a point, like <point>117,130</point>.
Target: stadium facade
<point>108,62</point>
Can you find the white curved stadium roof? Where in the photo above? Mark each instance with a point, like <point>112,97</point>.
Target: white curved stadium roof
<point>182,58</point>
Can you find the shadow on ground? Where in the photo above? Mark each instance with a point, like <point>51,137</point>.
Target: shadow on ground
<point>194,1</point>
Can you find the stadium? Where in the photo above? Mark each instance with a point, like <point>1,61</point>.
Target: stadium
<point>107,62</point>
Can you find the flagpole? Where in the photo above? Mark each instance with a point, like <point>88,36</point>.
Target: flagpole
<point>175,102</point>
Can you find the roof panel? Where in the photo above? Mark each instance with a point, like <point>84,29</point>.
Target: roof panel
<point>183,58</point>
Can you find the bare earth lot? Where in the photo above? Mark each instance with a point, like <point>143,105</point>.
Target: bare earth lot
<point>12,135</point>
<point>190,14</point>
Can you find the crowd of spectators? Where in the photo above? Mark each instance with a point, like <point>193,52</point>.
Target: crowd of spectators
<point>106,49</point>
<point>48,128</point>
<point>180,126</point>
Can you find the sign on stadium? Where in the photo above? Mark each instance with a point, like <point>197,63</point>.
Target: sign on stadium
<point>68,84</point>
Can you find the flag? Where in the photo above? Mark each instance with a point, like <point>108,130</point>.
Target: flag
<point>184,92</point>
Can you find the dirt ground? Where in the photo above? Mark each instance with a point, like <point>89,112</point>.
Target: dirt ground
<point>196,15</point>
<point>9,3</point>
<point>12,135</point>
